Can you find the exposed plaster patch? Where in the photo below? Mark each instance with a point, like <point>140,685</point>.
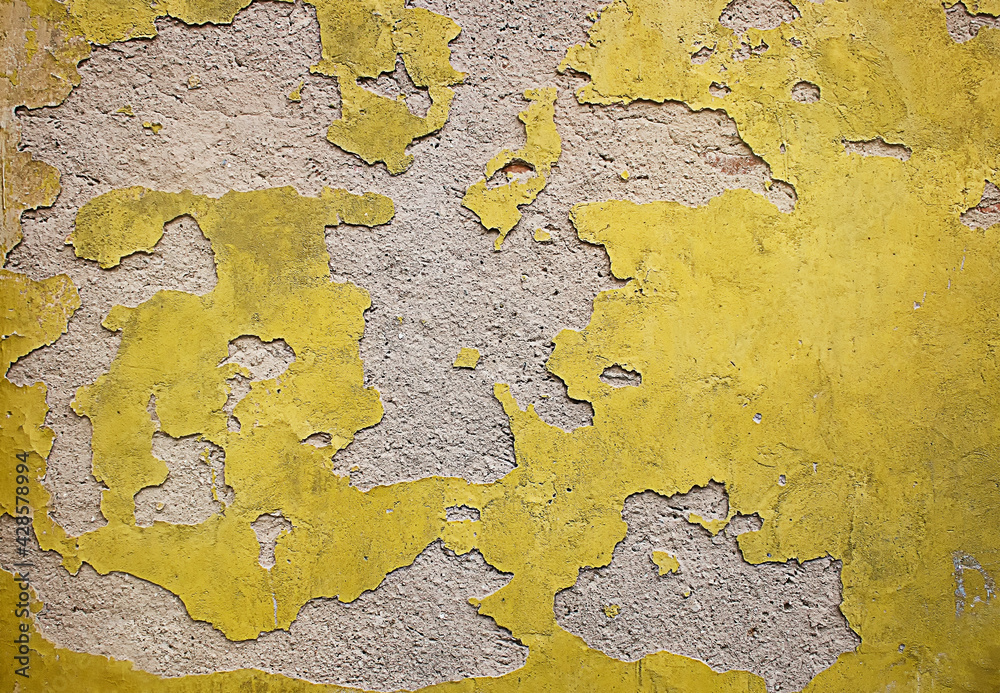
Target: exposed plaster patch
<point>701,56</point>
<point>719,91</point>
<point>748,50</point>
<point>701,599</point>
<point>415,629</point>
<point>461,513</point>
<point>805,92</point>
<point>987,212</point>
<point>782,195</point>
<point>398,84</point>
<point>526,169</point>
<point>669,151</point>
<point>964,25</point>
<point>319,440</point>
<point>269,527</point>
<point>195,487</point>
<point>741,524</point>
<point>260,361</point>
<point>616,376</point>
<point>182,261</point>
<point>878,147</point>
<point>265,360</point>
<point>740,15</point>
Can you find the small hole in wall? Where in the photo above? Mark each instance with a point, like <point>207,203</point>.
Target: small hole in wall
<point>719,91</point>
<point>878,147</point>
<point>268,528</point>
<point>261,360</point>
<point>392,85</point>
<point>619,376</point>
<point>319,440</point>
<point>757,418</point>
<point>781,480</point>
<point>517,170</point>
<point>701,56</point>
<point>458,513</point>
<point>805,92</point>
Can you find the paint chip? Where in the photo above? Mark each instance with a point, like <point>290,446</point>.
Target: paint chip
<point>467,358</point>
<point>666,562</point>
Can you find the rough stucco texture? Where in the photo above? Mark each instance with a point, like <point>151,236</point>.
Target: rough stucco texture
<point>536,346</point>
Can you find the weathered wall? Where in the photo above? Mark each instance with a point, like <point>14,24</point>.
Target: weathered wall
<point>499,346</point>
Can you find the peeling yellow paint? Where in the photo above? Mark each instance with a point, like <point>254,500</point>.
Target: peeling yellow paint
<point>460,536</point>
<point>821,302</point>
<point>34,314</point>
<point>542,236</point>
<point>39,52</point>
<point>377,128</point>
<point>107,21</point>
<point>360,38</point>
<point>56,669</point>
<point>467,358</point>
<point>27,184</point>
<point>713,526</point>
<point>380,129</point>
<point>274,282</point>
<point>153,127</point>
<point>126,110</point>
<point>497,208</point>
<point>666,562</point>
<point>877,441</point>
<point>611,610</point>
<point>123,222</point>
<point>296,93</point>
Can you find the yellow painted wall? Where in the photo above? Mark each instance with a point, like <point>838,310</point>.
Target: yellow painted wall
<point>862,327</point>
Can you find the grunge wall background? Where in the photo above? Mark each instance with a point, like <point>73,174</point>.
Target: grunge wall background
<point>499,345</point>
